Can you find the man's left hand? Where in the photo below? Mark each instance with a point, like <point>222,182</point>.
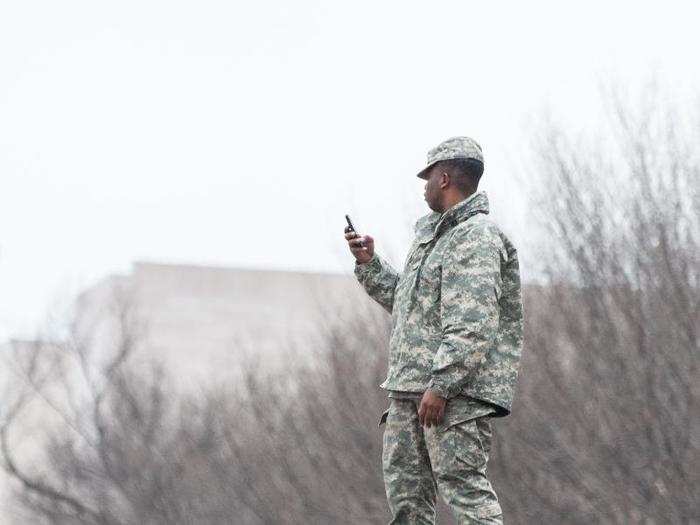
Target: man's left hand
<point>432,409</point>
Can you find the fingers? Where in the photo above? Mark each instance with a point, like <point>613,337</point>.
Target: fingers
<point>349,234</point>
<point>429,415</point>
<point>355,240</point>
<point>361,246</point>
<point>436,418</point>
<point>426,415</point>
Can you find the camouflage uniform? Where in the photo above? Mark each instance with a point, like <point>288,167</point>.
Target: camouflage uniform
<point>451,457</point>
<point>456,329</point>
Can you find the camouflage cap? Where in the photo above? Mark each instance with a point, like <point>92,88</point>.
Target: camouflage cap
<point>453,148</point>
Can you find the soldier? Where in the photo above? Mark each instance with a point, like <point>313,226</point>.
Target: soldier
<point>455,343</point>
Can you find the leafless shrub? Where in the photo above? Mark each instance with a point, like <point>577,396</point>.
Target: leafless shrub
<point>605,425</point>
<point>117,444</point>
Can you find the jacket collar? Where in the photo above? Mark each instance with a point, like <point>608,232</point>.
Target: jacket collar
<point>476,203</point>
<point>434,223</point>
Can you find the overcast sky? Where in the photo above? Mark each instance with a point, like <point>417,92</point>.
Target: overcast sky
<point>240,133</point>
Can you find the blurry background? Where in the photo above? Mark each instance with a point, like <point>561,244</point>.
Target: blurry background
<point>184,341</point>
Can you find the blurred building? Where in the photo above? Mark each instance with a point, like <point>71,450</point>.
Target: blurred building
<point>202,321</point>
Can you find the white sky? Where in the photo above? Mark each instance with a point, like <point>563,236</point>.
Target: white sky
<point>239,134</point>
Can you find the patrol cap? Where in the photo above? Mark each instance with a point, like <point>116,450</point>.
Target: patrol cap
<point>453,148</point>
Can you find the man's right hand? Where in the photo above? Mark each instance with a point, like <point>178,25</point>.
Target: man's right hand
<point>362,247</point>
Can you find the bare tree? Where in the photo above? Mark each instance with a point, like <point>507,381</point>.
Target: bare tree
<point>605,425</point>
<point>118,444</point>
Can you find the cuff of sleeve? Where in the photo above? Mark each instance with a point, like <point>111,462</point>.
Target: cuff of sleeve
<point>373,265</point>
<point>442,389</point>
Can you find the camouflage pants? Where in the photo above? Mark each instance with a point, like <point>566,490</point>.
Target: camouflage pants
<point>450,458</point>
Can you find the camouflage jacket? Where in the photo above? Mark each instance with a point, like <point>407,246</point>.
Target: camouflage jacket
<point>457,319</point>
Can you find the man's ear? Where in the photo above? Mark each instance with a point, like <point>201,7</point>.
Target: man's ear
<point>444,179</point>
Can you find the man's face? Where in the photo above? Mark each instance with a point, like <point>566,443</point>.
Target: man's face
<point>433,192</point>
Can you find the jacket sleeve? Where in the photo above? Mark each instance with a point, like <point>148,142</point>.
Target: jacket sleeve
<point>379,280</point>
<point>469,293</point>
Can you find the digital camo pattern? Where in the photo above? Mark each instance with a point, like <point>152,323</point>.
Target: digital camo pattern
<point>459,404</point>
<point>453,148</point>
<point>457,320</point>
<point>449,458</point>
<point>459,407</point>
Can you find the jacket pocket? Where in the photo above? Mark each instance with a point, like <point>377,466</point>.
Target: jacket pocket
<point>454,420</point>
<point>462,408</point>
<point>414,258</point>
